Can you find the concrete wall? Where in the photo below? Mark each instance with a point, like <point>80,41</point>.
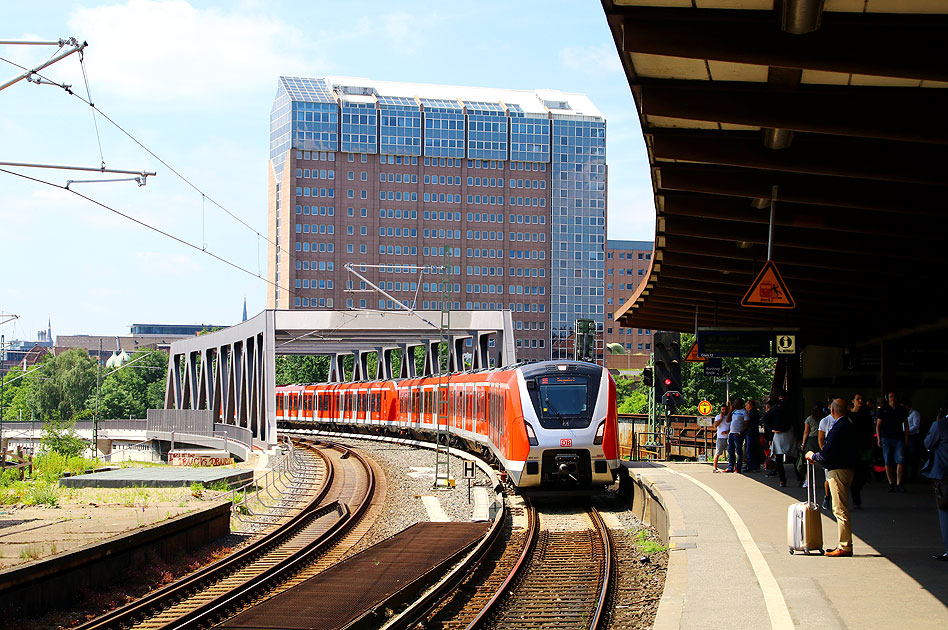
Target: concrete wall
<point>55,582</point>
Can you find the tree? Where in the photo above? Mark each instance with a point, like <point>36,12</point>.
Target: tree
<point>631,396</point>
<point>64,384</point>
<point>750,378</point>
<point>302,369</point>
<point>134,388</point>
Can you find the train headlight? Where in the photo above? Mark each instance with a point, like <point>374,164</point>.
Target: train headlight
<point>599,433</point>
<point>531,436</point>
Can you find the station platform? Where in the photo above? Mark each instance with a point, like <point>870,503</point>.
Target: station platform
<point>729,565</point>
<point>159,477</point>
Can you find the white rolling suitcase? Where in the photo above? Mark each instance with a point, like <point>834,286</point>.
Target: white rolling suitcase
<point>804,521</point>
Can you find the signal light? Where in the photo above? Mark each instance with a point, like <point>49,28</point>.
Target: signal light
<point>648,378</point>
<point>668,382</point>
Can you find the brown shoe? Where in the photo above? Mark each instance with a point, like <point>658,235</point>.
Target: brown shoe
<point>839,553</point>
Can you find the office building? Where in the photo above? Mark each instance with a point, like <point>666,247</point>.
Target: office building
<point>511,184</point>
<point>627,265</point>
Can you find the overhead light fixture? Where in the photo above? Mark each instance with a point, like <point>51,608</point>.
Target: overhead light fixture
<point>745,244</point>
<point>777,138</point>
<point>760,203</point>
<point>801,16</point>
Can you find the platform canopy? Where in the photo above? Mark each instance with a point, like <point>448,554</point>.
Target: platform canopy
<point>838,111</point>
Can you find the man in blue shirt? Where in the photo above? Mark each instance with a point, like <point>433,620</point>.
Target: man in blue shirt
<point>735,437</point>
<point>892,435</point>
<point>838,457</point>
<point>937,442</point>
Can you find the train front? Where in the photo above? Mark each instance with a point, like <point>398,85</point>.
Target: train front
<point>569,411</point>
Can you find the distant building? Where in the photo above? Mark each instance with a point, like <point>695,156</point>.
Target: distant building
<point>183,330</point>
<point>627,265</point>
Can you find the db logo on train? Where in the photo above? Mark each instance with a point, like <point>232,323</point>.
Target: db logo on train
<point>566,442</point>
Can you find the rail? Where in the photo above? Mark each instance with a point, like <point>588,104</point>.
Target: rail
<point>222,606</point>
<point>554,574</point>
<point>533,532</point>
<point>258,553</point>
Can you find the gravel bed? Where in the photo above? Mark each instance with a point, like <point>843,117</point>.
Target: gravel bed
<point>642,562</point>
<point>409,473</point>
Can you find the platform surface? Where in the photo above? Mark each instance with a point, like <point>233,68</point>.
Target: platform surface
<point>159,477</point>
<point>729,562</point>
<point>346,590</point>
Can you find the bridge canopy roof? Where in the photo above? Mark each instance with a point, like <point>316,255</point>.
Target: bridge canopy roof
<point>833,112</point>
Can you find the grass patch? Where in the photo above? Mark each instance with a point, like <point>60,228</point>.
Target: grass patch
<point>42,493</point>
<point>645,545</point>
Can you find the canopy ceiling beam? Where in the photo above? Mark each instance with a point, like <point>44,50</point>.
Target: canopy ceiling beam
<point>827,109</point>
<point>883,45</point>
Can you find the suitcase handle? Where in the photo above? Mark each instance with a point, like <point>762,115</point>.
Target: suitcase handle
<point>811,484</point>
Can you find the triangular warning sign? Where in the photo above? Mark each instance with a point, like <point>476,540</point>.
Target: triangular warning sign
<point>692,356</point>
<point>768,290</point>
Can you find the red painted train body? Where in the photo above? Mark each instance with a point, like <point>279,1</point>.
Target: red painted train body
<point>549,425</point>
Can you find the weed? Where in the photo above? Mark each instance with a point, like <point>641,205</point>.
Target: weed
<point>42,493</point>
<point>31,552</point>
<point>197,490</point>
<point>645,545</point>
<point>220,486</point>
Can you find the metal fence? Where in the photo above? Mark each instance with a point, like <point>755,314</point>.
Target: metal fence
<point>190,421</point>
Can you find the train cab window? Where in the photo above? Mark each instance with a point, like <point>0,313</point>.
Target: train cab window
<point>563,401</point>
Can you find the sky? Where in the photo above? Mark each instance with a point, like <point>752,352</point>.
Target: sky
<point>189,86</point>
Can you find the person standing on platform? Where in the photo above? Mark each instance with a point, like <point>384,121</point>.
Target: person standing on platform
<point>777,420</point>
<point>863,428</point>
<point>826,424</point>
<point>811,430</point>
<point>837,457</point>
<point>722,422</point>
<point>735,437</point>
<point>937,470</point>
<point>913,456</point>
<point>752,442</point>
<point>892,432</point>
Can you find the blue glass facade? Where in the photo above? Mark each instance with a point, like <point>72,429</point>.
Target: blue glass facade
<point>579,218</point>
<point>486,131</point>
<point>444,128</point>
<point>360,131</point>
<point>399,126</point>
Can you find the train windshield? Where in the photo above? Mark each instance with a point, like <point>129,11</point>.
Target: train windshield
<point>564,400</point>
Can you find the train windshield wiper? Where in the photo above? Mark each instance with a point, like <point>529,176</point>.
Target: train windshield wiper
<point>550,406</point>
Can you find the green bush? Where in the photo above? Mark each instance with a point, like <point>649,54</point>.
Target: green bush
<point>42,493</point>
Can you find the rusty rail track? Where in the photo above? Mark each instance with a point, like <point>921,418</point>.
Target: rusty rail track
<point>561,578</point>
<point>221,588</point>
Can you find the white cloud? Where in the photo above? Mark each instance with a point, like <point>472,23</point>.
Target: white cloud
<point>167,50</point>
<point>593,60</point>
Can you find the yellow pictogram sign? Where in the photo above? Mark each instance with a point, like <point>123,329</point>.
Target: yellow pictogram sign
<point>705,408</point>
<point>768,290</point>
<point>692,356</point>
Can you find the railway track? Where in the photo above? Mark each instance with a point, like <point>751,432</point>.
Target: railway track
<point>554,572</point>
<point>265,566</point>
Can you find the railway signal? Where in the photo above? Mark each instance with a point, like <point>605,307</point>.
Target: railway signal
<point>667,364</point>
<point>648,377</point>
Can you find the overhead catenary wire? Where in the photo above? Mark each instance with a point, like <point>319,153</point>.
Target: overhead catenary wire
<point>89,102</point>
<point>150,227</point>
<point>95,123</point>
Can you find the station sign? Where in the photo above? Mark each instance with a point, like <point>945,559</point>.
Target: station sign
<point>786,344</point>
<point>468,470</point>
<point>748,342</point>
<point>714,367</point>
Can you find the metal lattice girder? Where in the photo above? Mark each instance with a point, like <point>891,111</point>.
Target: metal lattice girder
<point>231,372</point>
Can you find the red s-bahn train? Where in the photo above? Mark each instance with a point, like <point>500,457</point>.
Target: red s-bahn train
<point>549,425</point>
